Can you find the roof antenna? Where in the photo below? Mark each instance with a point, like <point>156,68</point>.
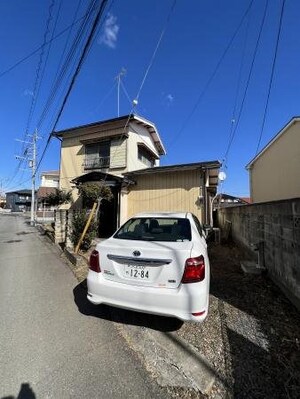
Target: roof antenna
<point>118,77</point>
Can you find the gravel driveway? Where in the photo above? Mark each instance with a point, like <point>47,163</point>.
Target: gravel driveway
<point>252,333</point>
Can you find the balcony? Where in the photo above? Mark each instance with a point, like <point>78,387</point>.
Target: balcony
<point>96,163</point>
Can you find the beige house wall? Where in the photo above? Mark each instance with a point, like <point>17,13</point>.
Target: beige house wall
<point>176,191</point>
<point>71,161</point>
<point>275,173</point>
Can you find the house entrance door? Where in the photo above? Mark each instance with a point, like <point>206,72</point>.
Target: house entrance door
<point>108,215</point>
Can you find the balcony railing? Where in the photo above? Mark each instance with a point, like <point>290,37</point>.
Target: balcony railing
<point>96,163</point>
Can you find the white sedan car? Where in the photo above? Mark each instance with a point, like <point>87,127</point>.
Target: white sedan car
<point>155,263</point>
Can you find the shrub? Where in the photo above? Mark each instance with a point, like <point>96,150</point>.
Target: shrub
<point>58,198</point>
<point>93,192</point>
<point>78,224</point>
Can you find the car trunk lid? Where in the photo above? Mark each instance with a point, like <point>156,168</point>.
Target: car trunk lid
<point>144,263</point>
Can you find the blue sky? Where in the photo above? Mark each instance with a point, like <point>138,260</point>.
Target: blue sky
<point>194,118</point>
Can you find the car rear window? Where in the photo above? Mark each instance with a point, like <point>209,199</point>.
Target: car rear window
<point>155,229</point>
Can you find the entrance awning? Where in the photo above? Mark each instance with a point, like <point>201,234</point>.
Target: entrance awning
<point>108,179</point>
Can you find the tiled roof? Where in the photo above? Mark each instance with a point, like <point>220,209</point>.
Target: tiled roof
<point>45,191</point>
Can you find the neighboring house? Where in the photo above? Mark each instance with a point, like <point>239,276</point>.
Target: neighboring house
<point>124,153</point>
<point>274,172</point>
<point>225,200</point>
<point>18,201</point>
<point>49,184</point>
<point>50,179</point>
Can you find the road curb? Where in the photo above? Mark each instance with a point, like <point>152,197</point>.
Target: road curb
<point>171,360</point>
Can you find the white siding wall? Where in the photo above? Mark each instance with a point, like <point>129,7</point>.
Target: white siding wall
<point>48,181</point>
<point>138,134</point>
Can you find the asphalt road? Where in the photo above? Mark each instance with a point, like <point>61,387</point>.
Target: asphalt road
<point>48,347</point>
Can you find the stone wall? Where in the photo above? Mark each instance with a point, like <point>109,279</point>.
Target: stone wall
<point>274,228</point>
<point>63,219</point>
<point>60,219</point>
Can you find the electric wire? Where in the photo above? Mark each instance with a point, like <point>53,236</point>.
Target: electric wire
<point>48,53</point>
<point>212,76</point>
<point>238,88</point>
<point>75,45</point>
<point>75,75</point>
<point>247,83</point>
<point>38,69</point>
<point>67,40</point>
<point>25,148</point>
<point>272,75</point>
<point>12,188</point>
<point>70,56</point>
<point>40,47</point>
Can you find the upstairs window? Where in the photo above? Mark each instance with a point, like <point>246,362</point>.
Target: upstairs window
<point>146,156</point>
<point>97,155</point>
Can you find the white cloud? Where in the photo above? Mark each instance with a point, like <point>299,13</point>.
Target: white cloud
<point>110,34</point>
<point>167,99</point>
<point>170,98</point>
<point>28,92</point>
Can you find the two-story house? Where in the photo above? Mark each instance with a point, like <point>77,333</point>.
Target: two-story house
<point>18,201</point>
<point>49,183</point>
<point>103,151</point>
<point>124,153</point>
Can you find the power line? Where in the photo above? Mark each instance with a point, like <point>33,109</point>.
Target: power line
<point>48,52</point>
<point>239,80</point>
<point>67,39</point>
<point>78,68</point>
<point>39,68</point>
<point>272,75</point>
<point>247,83</point>
<point>70,56</point>
<point>212,76</point>
<point>41,47</point>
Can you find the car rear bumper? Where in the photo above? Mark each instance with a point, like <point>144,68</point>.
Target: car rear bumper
<point>181,302</point>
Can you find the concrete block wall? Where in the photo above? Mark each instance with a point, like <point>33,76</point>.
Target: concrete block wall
<point>69,229</point>
<point>60,229</point>
<point>276,226</point>
<point>63,219</point>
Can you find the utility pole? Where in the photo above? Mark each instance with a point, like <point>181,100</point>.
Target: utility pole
<point>32,165</point>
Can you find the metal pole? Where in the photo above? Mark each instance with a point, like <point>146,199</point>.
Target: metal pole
<point>33,168</point>
<point>119,79</point>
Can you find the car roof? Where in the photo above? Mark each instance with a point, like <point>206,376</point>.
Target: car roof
<point>162,215</point>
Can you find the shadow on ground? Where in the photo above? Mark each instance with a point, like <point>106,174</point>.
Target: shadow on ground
<point>263,337</point>
<point>26,392</point>
<point>159,323</point>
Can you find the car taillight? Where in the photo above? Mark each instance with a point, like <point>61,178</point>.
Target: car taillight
<point>194,270</point>
<point>94,263</point>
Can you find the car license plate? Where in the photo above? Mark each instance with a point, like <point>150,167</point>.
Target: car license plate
<point>137,272</point>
